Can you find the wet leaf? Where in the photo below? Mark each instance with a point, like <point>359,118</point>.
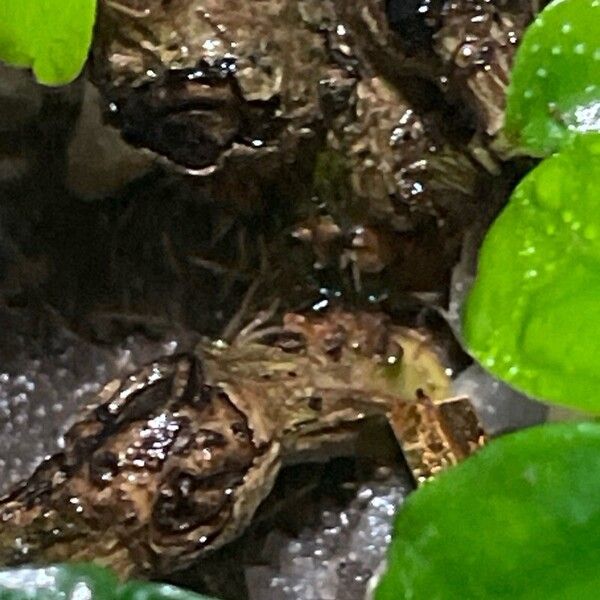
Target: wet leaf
<point>533,315</point>
<point>50,36</point>
<point>520,520</point>
<point>155,591</point>
<point>81,581</point>
<point>555,86</point>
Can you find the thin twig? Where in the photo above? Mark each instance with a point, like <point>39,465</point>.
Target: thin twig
<point>233,327</point>
<point>126,10</point>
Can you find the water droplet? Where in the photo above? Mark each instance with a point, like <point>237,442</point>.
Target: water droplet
<point>590,232</point>
<point>567,216</point>
<point>542,73</point>
<point>556,50</point>
<point>211,45</point>
<point>567,28</point>
<point>535,48</point>
<point>579,49</point>
<point>417,188</point>
<point>528,94</point>
<point>530,250</point>
<point>321,305</point>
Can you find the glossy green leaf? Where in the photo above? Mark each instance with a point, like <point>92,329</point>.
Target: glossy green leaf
<point>155,591</point>
<point>520,520</point>
<point>555,85</point>
<point>533,315</point>
<point>85,581</point>
<point>50,36</point>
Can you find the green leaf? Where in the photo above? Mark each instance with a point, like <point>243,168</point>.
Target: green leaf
<point>50,36</point>
<point>155,591</point>
<point>519,520</point>
<point>533,315</point>
<point>555,87</point>
<point>60,582</point>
